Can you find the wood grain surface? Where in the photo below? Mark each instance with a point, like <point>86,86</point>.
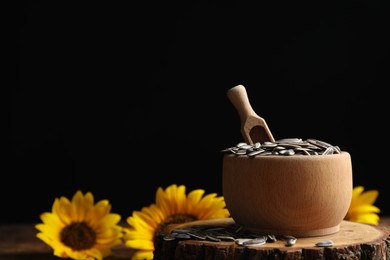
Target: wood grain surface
<point>19,242</point>
<point>353,241</point>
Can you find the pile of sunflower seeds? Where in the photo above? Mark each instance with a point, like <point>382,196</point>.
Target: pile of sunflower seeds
<point>237,234</point>
<point>285,147</point>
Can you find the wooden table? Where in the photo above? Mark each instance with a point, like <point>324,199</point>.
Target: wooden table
<point>18,242</point>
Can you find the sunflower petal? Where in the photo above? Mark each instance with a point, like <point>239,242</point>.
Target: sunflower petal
<point>361,208</point>
<point>142,255</point>
<point>368,197</point>
<point>369,218</point>
<point>365,209</point>
<point>357,191</point>
<point>140,244</point>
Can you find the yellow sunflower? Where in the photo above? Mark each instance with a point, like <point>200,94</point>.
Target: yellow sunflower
<point>80,229</point>
<point>172,206</point>
<point>362,209</point>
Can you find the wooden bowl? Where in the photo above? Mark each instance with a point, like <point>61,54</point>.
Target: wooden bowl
<point>301,196</point>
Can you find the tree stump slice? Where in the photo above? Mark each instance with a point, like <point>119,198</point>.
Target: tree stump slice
<point>353,241</point>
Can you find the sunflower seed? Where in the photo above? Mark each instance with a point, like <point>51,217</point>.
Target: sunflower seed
<point>181,230</point>
<point>257,145</point>
<point>272,238</point>
<point>213,238</point>
<point>226,238</point>
<point>284,147</point>
<point>328,150</point>
<point>241,241</point>
<point>169,237</point>
<point>325,243</point>
<point>197,235</point>
<point>287,152</point>
<point>290,240</point>
<point>319,143</point>
<point>234,233</point>
<point>239,145</point>
<point>182,236</point>
<point>255,152</point>
<point>254,241</point>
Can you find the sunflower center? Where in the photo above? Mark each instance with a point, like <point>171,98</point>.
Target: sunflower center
<point>78,236</point>
<point>175,219</point>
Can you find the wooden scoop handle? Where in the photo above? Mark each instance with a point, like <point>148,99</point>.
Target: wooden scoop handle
<point>239,98</point>
<point>253,127</point>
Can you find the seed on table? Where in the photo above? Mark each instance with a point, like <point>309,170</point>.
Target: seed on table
<point>238,235</point>
<point>169,237</point>
<point>240,241</point>
<point>325,243</point>
<point>272,238</point>
<point>181,230</point>
<point>197,235</point>
<point>226,238</point>
<point>213,238</point>
<point>254,241</point>
<point>182,236</point>
<point>290,240</point>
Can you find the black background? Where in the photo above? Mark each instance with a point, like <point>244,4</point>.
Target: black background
<point>119,99</point>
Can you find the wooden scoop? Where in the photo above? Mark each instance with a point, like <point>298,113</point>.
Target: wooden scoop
<point>253,127</point>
